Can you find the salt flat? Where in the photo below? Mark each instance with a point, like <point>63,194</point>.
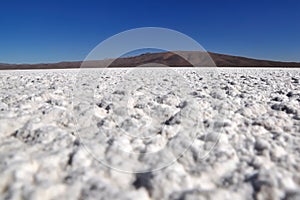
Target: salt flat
<point>181,133</point>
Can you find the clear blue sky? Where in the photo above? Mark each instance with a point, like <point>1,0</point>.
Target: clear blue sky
<point>34,31</point>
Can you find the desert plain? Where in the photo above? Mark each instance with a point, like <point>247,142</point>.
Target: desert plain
<point>177,133</point>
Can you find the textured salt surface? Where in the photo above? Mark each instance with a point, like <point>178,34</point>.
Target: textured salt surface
<point>236,134</point>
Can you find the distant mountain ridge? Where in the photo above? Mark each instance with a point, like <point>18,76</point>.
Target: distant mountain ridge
<point>199,59</point>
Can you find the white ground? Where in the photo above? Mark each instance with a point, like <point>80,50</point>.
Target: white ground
<point>191,134</point>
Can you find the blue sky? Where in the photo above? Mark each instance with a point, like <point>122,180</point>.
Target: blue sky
<point>34,31</point>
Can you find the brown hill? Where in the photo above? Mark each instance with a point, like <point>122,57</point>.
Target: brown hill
<point>166,58</point>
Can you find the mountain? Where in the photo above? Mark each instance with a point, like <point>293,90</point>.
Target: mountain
<point>171,59</point>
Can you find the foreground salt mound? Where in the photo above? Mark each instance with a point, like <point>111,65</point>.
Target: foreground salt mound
<point>253,114</point>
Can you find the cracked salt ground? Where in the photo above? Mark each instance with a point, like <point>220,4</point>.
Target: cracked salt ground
<point>256,112</point>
